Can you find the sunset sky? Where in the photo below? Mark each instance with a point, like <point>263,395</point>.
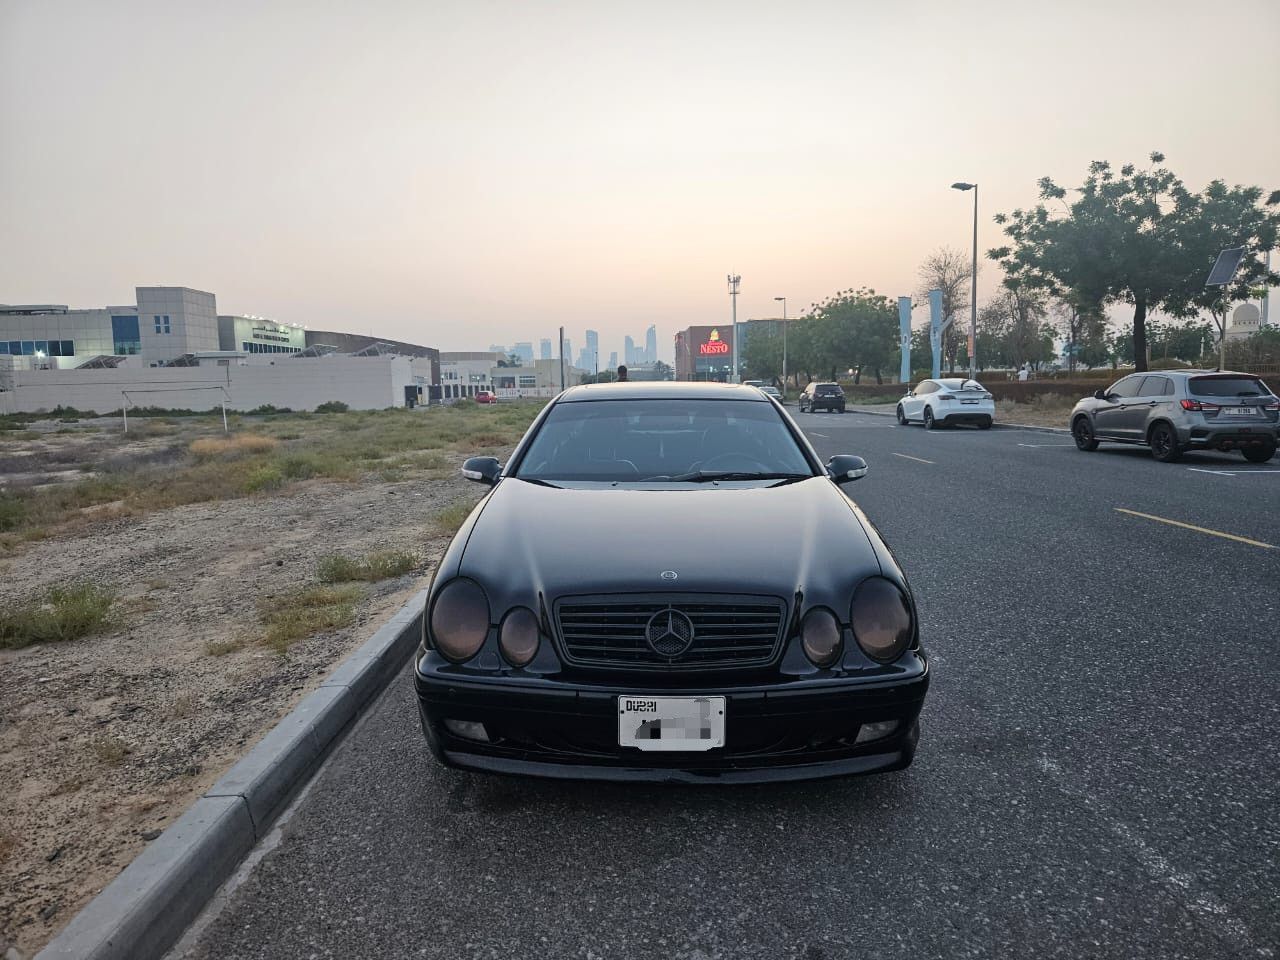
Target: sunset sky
<point>458,174</point>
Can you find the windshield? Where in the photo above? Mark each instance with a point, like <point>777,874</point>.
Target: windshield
<point>630,440</point>
<point>1228,387</point>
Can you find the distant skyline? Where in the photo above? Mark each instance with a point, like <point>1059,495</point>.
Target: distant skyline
<point>461,173</point>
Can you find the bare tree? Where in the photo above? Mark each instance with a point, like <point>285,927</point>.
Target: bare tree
<point>948,270</point>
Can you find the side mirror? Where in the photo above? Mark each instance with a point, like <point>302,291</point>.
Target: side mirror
<point>482,470</point>
<point>1100,394</point>
<point>911,393</point>
<point>844,468</point>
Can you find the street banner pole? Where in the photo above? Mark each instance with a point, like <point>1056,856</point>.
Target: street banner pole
<point>904,325</point>
<point>936,326</point>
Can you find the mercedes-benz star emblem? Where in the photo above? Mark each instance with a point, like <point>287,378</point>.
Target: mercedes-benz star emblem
<point>669,633</point>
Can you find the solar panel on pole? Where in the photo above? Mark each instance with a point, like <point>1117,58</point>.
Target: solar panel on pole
<point>1225,267</point>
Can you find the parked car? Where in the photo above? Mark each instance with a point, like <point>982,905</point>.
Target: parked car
<point>485,396</point>
<point>946,402</point>
<point>822,396</point>
<point>673,649</point>
<point>771,391</point>
<point>1173,411</point>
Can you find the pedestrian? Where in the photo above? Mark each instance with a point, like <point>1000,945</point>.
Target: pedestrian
<point>622,373</point>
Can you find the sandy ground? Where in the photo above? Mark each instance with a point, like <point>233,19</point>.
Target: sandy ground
<point>104,741</point>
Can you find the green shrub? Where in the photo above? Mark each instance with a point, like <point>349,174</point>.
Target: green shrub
<point>260,479</point>
<point>306,613</point>
<point>65,613</point>
<point>267,409</point>
<point>381,565</point>
<point>332,406</point>
<point>13,512</point>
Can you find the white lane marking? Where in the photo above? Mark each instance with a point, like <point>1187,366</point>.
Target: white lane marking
<point>1046,444</point>
<point>916,459</point>
<point>816,434</point>
<point>1184,887</point>
<point>1230,473</point>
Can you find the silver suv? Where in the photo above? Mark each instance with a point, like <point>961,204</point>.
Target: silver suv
<point>1173,411</point>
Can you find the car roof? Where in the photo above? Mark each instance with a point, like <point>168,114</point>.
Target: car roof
<point>1183,372</point>
<point>661,390</point>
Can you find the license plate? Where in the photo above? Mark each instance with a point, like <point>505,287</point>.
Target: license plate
<point>671,723</point>
<point>1240,411</point>
<point>968,401</point>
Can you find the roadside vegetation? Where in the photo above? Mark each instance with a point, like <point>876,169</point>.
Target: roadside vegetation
<point>64,613</point>
<point>175,459</point>
<point>381,565</point>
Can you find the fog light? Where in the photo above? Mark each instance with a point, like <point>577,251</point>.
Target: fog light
<point>471,730</point>
<point>875,731</point>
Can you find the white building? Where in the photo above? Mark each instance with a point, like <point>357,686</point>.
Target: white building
<point>541,378</point>
<point>172,350</point>
<point>466,373</point>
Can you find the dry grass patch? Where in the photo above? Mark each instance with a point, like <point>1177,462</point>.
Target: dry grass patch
<point>449,519</point>
<point>65,613</point>
<point>306,613</point>
<point>109,750</point>
<point>220,648</point>
<point>381,565</point>
<point>245,444</point>
<point>1043,410</point>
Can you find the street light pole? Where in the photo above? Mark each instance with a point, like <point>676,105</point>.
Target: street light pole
<point>784,343</point>
<point>973,284</point>
<point>734,280</point>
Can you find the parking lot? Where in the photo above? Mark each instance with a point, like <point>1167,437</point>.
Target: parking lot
<point>1096,774</point>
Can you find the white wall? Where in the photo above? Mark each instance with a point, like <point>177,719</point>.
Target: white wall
<point>363,383</point>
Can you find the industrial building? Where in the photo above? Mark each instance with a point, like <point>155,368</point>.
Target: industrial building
<point>171,349</point>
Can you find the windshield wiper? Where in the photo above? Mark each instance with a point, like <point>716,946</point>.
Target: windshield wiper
<point>541,483</point>
<point>710,476</point>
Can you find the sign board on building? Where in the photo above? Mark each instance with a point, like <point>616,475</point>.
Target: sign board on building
<point>713,345</point>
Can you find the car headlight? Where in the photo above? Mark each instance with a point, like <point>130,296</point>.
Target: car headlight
<point>820,636</point>
<point>881,618</point>
<point>518,636</point>
<point>460,620</point>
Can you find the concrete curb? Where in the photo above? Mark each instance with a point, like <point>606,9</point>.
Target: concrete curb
<point>994,426</point>
<point>144,910</point>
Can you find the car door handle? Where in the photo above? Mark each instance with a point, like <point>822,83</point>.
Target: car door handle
<point>1154,403</point>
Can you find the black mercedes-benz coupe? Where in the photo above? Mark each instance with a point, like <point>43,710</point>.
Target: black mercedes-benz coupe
<point>665,583</point>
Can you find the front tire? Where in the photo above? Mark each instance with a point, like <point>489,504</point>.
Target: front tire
<point>1082,433</point>
<point>902,416</point>
<point>1164,443</point>
<point>929,422</point>
<point>1259,454</point>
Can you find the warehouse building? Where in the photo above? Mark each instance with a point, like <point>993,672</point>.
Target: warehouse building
<point>171,349</point>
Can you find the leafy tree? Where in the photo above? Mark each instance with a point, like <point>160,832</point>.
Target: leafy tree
<point>762,355</point>
<point>1014,328</point>
<point>949,270</point>
<point>1138,237</point>
<point>663,370</point>
<point>854,329</point>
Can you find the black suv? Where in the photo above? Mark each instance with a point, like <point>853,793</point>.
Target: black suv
<point>822,396</point>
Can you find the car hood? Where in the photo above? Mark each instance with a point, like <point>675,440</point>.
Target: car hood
<point>748,539</point>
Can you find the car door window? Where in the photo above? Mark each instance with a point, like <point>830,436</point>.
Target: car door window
<point>1128,387</point>
<point>925,388</point>
<point>1156,387</point>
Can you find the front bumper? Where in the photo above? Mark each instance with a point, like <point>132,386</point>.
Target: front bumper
<point>797,730</point>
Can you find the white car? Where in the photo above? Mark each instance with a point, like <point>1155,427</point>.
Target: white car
<point>771,392</point>
<point>948,401</point>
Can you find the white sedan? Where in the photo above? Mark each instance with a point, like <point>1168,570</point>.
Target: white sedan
<point>948,401</point>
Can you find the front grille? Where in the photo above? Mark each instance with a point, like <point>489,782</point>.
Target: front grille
<point>728,632</point>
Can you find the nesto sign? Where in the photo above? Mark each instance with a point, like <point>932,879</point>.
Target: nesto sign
<point>713,345</point>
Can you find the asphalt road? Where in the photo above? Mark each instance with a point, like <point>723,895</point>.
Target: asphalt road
<point>1097,774</point>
